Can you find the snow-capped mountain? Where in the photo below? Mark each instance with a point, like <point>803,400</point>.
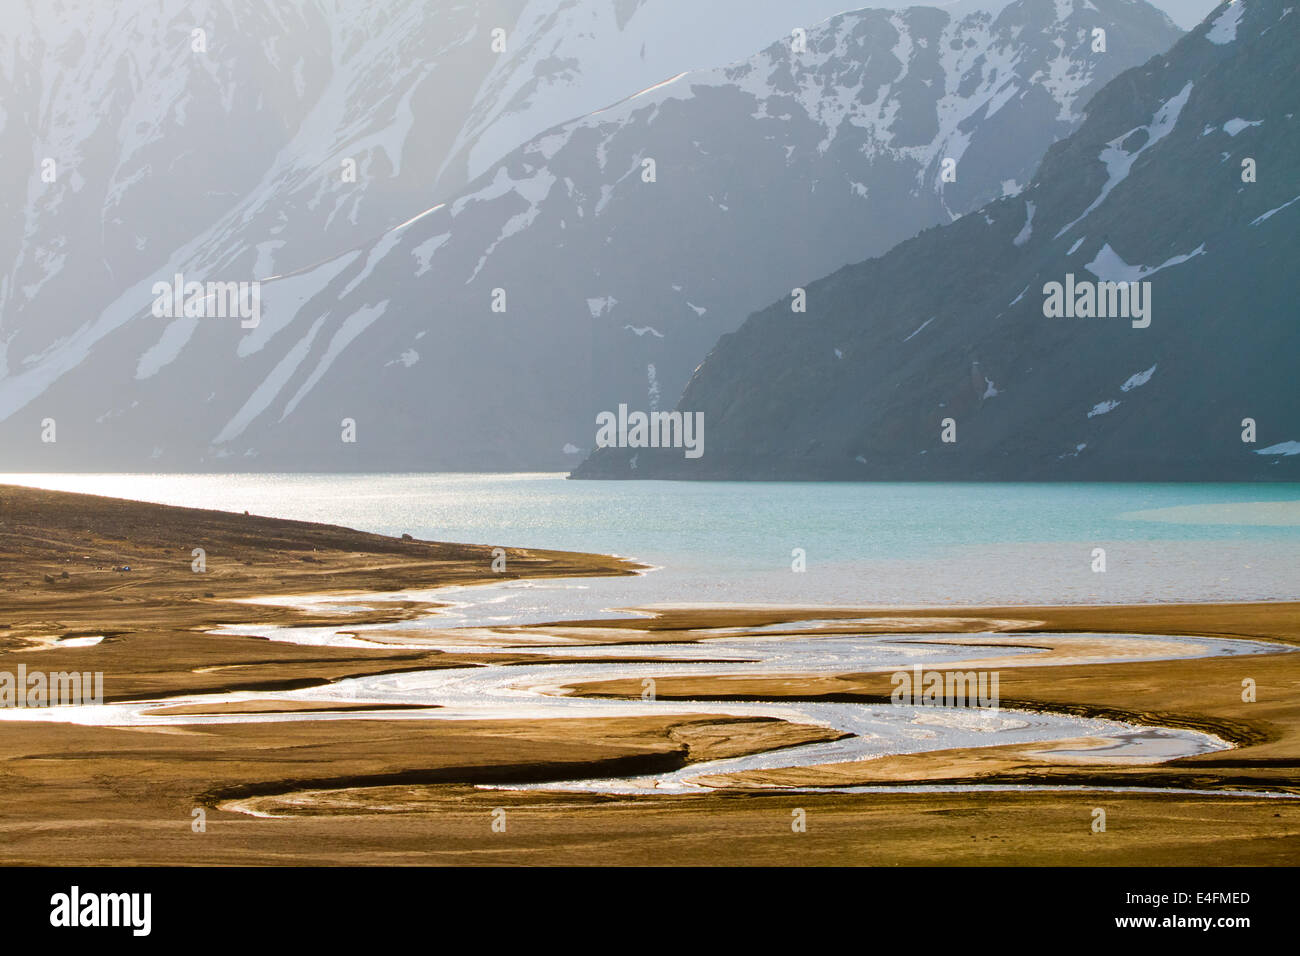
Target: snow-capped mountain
<point>781,166</point>
<point>214,135</point>
<point>210,136</point>
<point>572,57</point>
<point>1131,315</point>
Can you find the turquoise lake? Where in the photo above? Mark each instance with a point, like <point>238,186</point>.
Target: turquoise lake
<point>862,544</point>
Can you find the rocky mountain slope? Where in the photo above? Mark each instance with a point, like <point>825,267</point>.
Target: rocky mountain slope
<point>233,140</point>
<point>614,278</point>
<point>1183,179</point>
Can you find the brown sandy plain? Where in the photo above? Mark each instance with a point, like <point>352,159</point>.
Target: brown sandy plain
<point>403,791</point>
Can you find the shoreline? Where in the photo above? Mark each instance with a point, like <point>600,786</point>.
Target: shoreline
<point>139,784</point>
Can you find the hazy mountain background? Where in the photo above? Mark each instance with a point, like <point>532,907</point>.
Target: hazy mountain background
<point>772,168</point>
<point>950,325</point>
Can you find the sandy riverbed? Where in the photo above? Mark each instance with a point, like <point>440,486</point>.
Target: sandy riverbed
<point>402,791</point>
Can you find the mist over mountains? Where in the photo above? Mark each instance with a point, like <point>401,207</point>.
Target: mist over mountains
<point>503,264</point>
<point>947,358</point>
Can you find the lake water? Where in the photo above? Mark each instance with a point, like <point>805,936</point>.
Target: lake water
<point>732,543</point>
<point>863,544</point>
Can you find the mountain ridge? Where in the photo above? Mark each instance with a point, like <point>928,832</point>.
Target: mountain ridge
<point>1153,176</point>
<point>616,288</point>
